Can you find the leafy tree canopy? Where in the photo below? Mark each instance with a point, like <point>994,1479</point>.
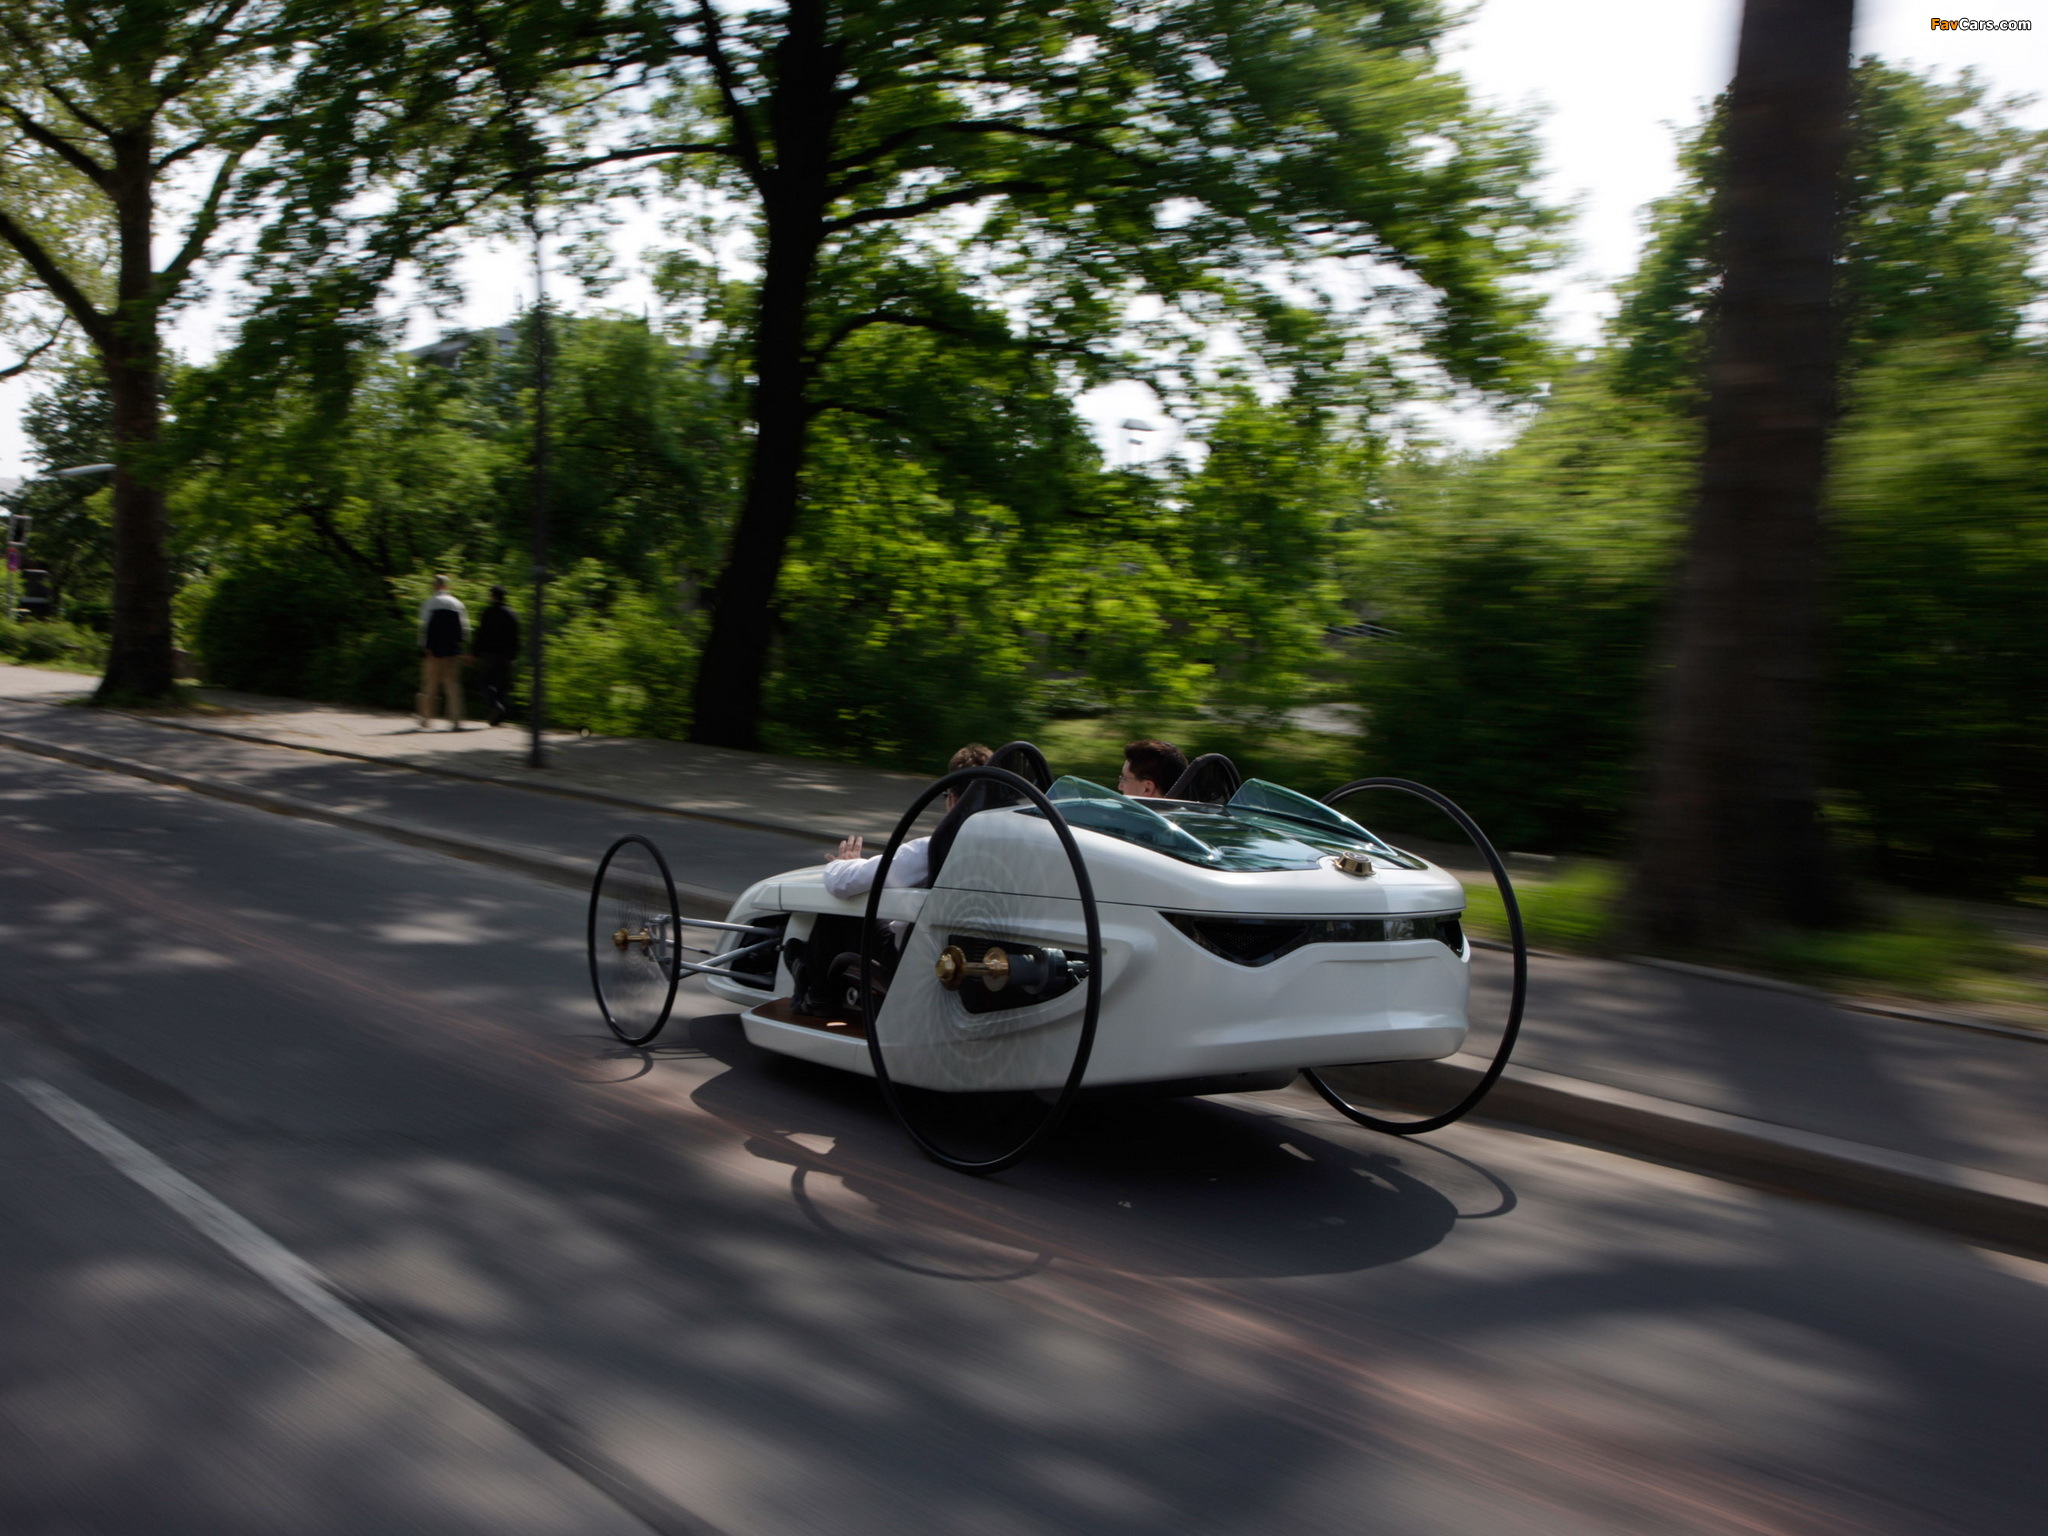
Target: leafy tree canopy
<point>1946,209</point>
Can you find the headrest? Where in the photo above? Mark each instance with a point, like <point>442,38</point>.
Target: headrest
<point>1211,777</point>
<point>1020,758</point>
<point>1025,761</point>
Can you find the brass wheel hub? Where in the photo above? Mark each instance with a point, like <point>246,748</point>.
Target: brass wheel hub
<point>954,967</point>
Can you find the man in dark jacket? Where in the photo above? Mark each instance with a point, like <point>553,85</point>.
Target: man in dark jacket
<point>495,645</point>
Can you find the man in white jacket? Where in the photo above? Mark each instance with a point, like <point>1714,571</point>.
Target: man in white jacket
<point>848,874</point>
<point>444,631</point>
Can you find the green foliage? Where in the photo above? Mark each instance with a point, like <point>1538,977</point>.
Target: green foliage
<point>618,664</point>
<point>1912,952</point>
<point>52,641</point>
<point>1918,956</point>
<point>1573,911</point>
<point>903,618</point>
<point>68,425</point>
<point>384,477</point>
<point>1946,207</point>
<point>1526,584</point>
<point>1940,721</point>
<point>288,617</point>
<point>1524,589</point>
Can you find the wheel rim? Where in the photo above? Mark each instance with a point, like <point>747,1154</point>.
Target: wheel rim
<point>631,937</point>
<point>979,1079</point>
<point>1517,995</point>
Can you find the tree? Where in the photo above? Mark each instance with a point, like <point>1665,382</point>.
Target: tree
<point>1730,834</point>
<point>993,175</point>
<point>111,111</point>
<point>1097,154</point>
<point>1944,207</point>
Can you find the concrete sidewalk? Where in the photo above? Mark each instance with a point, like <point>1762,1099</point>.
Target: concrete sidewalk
<point>1943,1125</point>
<point>750,789</point>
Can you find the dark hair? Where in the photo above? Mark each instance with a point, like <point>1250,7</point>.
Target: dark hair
<point>973,755</point>
<point>1159,763</point>
<point>497,594</point>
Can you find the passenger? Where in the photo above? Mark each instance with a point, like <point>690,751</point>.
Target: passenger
<point>849,874</point>
<point>1151,769</point>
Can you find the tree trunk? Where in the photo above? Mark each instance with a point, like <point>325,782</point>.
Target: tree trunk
<point>726,709</point>
<point>139,664</point>
<point>1730,834</point>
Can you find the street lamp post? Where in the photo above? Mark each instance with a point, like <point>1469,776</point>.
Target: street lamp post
<point>17,534</point>
<point>536,751</point>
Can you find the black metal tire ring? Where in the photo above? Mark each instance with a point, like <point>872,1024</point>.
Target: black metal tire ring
<point>1091,1013</point>
<point>1517,941</point>
<point>590,936</point>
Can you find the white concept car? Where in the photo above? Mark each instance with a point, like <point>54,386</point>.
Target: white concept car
<point>1068,937</point>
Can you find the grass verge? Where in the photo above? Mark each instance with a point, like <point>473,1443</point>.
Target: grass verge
<point>1916,954</point>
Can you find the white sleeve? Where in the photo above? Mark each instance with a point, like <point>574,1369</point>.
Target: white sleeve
<point>913,863</point>
<point>851,877</point>
<point>856,877</point>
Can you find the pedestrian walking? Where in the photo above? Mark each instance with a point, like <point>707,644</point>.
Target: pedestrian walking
<point>496,647</point>
<point>444,626</point>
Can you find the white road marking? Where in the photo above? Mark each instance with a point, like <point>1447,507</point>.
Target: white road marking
<point>301,1283</point>
<point>243,1240</point>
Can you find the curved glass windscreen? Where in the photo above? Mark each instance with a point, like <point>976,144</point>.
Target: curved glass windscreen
<point>1119,816</point>
<point>1277,800</point>
<point>1271,833</point>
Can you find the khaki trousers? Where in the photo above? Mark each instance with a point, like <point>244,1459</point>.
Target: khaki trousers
<point>440,676</point>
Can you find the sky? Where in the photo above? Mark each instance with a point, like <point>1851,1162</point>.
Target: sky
<point>1613,80</point>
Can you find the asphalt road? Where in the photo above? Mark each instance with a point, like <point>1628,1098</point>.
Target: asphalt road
<point>586,1289</point>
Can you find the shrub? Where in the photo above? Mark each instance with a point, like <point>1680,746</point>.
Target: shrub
<point>290,619</point>
<point>47,640</point>
<point>624,670</point>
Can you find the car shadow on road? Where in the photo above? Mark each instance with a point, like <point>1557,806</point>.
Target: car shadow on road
<point>1184,1187</point>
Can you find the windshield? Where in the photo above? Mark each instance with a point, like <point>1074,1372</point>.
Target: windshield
<point>1224,837</point>
<point>1119,816</point>
<point>1276,800</point>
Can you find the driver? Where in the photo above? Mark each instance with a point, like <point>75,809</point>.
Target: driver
<point>848,874</point>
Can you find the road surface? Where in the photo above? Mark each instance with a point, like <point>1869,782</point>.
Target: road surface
<point>332,1208</point>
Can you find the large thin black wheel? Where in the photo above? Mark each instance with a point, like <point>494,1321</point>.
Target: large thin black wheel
<point>982,1034</point>
<point>1517,996</point>
<point>632,937</point>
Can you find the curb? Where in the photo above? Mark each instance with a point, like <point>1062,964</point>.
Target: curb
<point>1993,1209</point>
<point>1847,1001</point>
<point>536,784</point>
<point>558,870</point>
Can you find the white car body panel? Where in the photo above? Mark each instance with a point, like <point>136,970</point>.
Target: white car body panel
<point>1172,1010</point>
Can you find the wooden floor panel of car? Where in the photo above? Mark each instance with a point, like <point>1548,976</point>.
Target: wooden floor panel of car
<point>783,1011</point>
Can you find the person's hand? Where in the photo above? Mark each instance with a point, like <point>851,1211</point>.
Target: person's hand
<point>849,848</point>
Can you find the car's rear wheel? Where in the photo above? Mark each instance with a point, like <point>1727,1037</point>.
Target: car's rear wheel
<point>983,1035</point>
